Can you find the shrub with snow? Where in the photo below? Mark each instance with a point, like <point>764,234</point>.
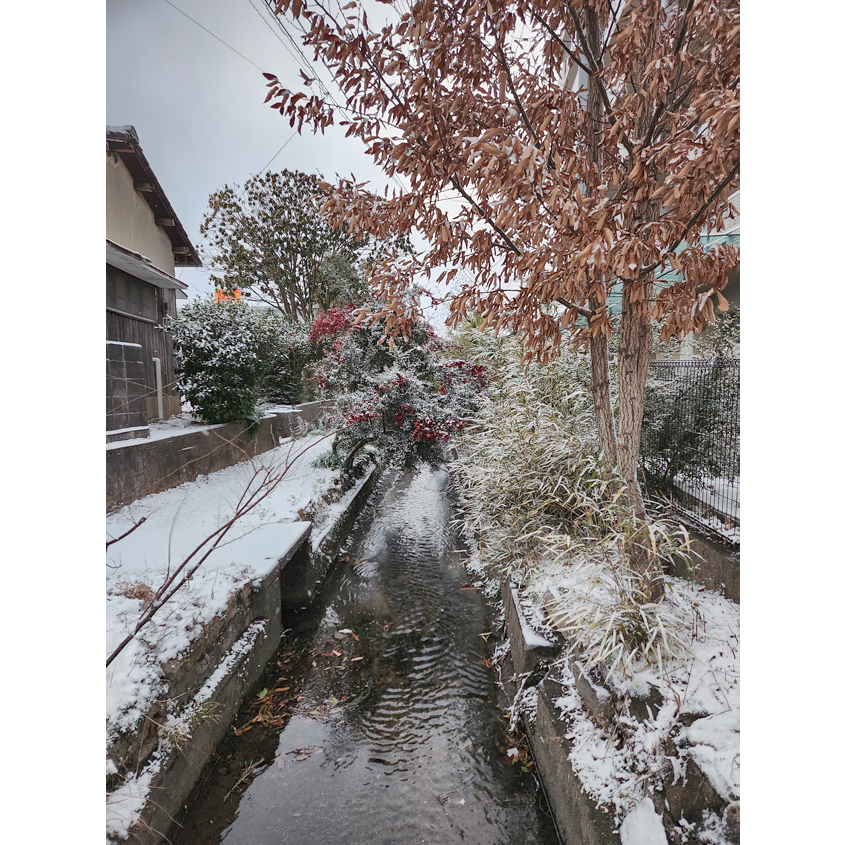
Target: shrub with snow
<point>224,353</point>
<point>409,397</point>
<point>533,480</point>
<point>284,383</point>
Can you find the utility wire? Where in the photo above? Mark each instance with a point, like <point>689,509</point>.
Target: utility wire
<point>214,36</point>
<point>277,152</point>
<point>309,69</point>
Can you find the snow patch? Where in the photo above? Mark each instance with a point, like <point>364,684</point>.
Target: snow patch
<point>124,805</point>
<point>642,826</point>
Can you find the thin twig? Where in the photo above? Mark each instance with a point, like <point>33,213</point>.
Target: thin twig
<point>127,533</point>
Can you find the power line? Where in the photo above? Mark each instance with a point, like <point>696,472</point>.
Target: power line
<point>308,69</point>
<point>277,152</point>
<point>214,36</point>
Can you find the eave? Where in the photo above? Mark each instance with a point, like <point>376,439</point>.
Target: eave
<point>123,141</point>
<point>142,268</point>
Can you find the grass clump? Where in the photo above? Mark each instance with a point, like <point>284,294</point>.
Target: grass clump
<point>540,504</point>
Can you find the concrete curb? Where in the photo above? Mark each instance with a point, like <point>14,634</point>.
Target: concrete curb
<point>240,641</point>
<point>257,606</point>
<point>576,816</point>
<point>303,574</point>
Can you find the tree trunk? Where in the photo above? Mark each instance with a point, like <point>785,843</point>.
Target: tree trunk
<point>635,339</point>
<point>600,376</point>
<point>633,357</point>
<point>600,386</point>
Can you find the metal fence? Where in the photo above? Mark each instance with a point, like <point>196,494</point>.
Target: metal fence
<point>690,441</point>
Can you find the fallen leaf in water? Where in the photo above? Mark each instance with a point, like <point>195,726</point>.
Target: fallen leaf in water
<point>314,663</point>
<point>243,730</point>
<point>357,638</point>
<point>353,659</point>
<point>281,689</point>
<point>337,653</point>
<point>332,700</point>
<point>263,692</point>
<point>300,758</point>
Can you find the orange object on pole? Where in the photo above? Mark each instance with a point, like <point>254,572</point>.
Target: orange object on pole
<point>222,296</point>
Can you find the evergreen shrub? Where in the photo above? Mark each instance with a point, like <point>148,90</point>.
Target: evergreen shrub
<point>224,353</point>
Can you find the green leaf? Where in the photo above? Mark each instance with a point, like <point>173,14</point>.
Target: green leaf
<point>263,692</point>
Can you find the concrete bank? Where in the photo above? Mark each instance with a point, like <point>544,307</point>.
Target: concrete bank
<point>164,757</point>
<point>685,800</point>
<point>578,820</point>
<point>716,565</point>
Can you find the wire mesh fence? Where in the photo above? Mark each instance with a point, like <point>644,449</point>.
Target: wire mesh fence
<point>690,441</point>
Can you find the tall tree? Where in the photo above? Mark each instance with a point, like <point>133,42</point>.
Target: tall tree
<point>587,145</point>
<point>272,239</point>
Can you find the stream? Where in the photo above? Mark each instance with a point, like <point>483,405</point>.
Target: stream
<point>381,722</point>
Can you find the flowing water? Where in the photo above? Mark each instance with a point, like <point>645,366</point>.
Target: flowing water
<point>390,734</point>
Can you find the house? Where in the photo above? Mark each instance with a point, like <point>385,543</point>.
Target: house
<point>145,243</point>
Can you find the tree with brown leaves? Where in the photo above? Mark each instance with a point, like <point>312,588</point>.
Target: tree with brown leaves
<point>582,146</point>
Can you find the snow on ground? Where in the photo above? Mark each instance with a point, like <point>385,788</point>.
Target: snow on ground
<point>184,423</point>
<point>706,685</point>
<point>177,521</point>
<point>124,805</point>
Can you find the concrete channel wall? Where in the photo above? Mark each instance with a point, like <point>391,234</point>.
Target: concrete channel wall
<point>716,565</point>
<point>207,686</point>
<point>578,820</point>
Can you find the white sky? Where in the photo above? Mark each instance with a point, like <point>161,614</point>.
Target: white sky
<point>198,107</point>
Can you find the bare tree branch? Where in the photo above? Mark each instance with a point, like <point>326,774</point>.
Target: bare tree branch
<point>138,524</point>
<point>584,312</point>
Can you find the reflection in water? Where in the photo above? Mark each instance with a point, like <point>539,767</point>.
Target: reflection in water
<point>398,746</point>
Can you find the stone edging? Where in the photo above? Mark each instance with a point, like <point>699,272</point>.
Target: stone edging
<point>576,817</point>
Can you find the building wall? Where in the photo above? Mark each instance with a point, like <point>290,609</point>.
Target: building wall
<point>155,343</point>
<point>126,406</point>
<point>130,221</point>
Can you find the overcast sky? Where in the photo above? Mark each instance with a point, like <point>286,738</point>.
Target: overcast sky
<point>198,106</point>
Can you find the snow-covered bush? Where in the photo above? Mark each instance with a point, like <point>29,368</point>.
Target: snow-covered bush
<point>283,384</point>
<point>611,623</point>
<point>224,352</point>
<point>409,397</point>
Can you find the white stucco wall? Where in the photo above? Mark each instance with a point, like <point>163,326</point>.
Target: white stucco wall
<point>130,221</point>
